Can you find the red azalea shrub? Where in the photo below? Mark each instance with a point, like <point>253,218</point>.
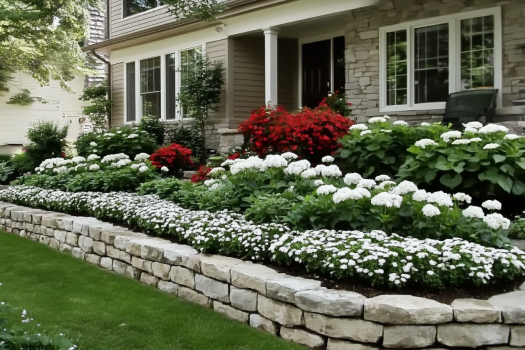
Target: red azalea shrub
<point>310,133</point>
<point>175,157</point>
<point>202,174</point>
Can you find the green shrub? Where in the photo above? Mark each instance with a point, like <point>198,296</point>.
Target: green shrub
<point>379,147</point>
<point>125,140</point>
<point>5,172</point>
<point>47,140</point>
<point>4,158</point>
<point>269,208</point>
<point>100,106</point>
<point>21,163</point>
<point>517,228</point>
<point>189,136</point>
<point>154,127</point>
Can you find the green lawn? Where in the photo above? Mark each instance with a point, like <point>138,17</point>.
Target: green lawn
<point>105,311</point>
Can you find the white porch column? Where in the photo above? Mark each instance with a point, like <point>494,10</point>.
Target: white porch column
<point>270,65</point>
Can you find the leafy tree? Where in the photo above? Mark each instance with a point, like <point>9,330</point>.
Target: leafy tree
<point>42,38</point>
<point>100,106</point>
<point>203,10</point>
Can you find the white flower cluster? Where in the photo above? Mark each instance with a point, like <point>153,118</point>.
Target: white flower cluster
<point>377,120</point>
<point>450,134</point>
<point>425,142</point>
<point>141,156</point>
<point>491,146</point>
<point>359,127</point>
<point>114,158</point>
<point>493,128</point>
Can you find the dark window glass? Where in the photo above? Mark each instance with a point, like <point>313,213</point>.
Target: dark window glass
<point>396,68</point>
<point>150,86</point>
<point>187,68</point>
<point>339,64</point>
<point>132,7</point>
<point>130,92</point>
<point>170,87</point>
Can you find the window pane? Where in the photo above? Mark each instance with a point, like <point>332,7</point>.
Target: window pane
<point>170,86</point>
<point>477,54</point>
<point>150,86</point>
<point>187,65</point>
<point>396,71</point>
<point>132,7</point>
<point>130,92</point>
<point>431,63</point>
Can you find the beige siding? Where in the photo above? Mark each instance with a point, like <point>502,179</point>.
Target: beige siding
<point>287,68</point>
<point>117,94</point>
<point>121,26</point>
<point>217,51</point>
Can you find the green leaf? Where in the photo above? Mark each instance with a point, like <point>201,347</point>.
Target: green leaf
<point>430,175</point>
<point>472,167</point>
<point>505,182</point>
<point>451,181</point>
<point>345,153</point>
<point>507,168</point>
<point>518,188</point>
<point>469,182</point>
<point>369,171</point>
<point>521,163</point>
<point>372,147</point>
<point>498,158</point>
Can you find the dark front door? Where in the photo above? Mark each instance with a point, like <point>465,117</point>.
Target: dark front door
<point>316,72</point>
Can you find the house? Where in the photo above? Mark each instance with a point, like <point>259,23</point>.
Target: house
<point>395,57</point>
<point>59,106</point>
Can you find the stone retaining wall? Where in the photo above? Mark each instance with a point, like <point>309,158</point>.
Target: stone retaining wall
<point>296,309</point>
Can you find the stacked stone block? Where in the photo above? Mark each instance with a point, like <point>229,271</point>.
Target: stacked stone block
<point>296,309</point>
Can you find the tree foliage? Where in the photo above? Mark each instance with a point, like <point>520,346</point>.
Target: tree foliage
<point>203,10</point>
<point>42,38</point>
<point>100,106</point>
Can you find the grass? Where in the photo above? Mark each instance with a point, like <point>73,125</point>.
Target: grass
<point>100,310</point>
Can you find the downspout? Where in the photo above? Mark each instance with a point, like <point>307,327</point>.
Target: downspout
<point>108,64</point>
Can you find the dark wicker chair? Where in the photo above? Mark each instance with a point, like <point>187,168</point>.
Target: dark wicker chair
<point>469,106</point>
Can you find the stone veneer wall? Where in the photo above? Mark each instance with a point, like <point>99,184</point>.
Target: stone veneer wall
<point>362,54</point>
<point>295,309</point>
<point>97,33</point>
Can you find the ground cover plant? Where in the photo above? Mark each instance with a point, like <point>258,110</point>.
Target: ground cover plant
<point>375,257</point>
<point>101,310</point>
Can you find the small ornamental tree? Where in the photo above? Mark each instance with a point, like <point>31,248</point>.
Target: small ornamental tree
<point>100,106</point>
<point>202,91</point>
<point>203,10</point>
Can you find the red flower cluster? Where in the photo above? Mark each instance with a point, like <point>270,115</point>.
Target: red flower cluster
<point>311,133</point>
<point>175,157</point>
<point>202,174</point>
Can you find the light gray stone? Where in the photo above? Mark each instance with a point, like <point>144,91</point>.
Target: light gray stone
<point>336,344</point>
<point>86,244</point>
<point>252,276</point>
<point>120,242</point>
<point>168,287</point>
<point>284,287</point>
<point>280,312</point>
<point>119,267</point>
<point>194,297</point>
<point>92,259</point>
<point>262,324</point>
<point>78,253</point>
<point>181,275</point>
<point>72,239</point>
<point>522,287</point>
<point>133,272</point>
<point>230,312</point>
<point>106,263</point>
<point>302,337</point>
<point>512,306</point>
<point>331,302</point>
<point>54,243</point>
<point>243,299</point>
<point>44,239</point>
<point>406,309</point>
<point>193,263</point>
<point>142,264</point>
<point>517,335</point>
<point>99,248</point>
<point>66,248</point>
<point>177,254</point>
<point>152,250</point>
<point>118,254</point>
<point>67,223</point>
<point>149,279</point>
<point>161,271</point>
<point>218,267</point>
<point>212,288</point>
<point>401,337</point>
<point>344,328</point>
<point>472,335</point>
<point>474,310</point>
<point>60,235</point>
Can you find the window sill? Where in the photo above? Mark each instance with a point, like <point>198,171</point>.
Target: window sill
<point>415,108</point>
<point>143,13</point>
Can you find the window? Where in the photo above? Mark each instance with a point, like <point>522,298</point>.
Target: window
<point>187,63</point>
<point>130,92</point>
<point>423,62</point>
<point>150,87</point>
<point>171,70</point>
<point>132,7</point>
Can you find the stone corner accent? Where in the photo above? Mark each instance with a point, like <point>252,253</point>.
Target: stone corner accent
<point>472,335</point>
<point>512,306</point>
<point>476,311</point>
<point>299,336</point>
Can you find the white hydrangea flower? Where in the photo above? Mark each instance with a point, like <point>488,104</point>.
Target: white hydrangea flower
<point>122,162</point>
<point>132,136</point>
<point>359,127</point>
<point>327,159</point>
<point>78,159</point>
<point>308,173</point>
<point>387,199</point>
<point>210,182</point>
<point>384,184</point>
<point>273,161</point>
<point>462,197</point>
<point>473,212</point>
<point>295,168</point>
<point>331,171</point>
<point>386,117</point>
<point>362,133</point>
<point>135,166</point>
<point>385,130</point>
<point>440,198</point>
<point>420,196</point>
<point>93,144</point>
<point>380,178</point>
<point>141,156</point>
<point>450,134</point>
<point>425,124</point>
<point>345,193</point>
<point>430,210</point>
<point>474,125</point>
<point>491,205</point>
<point>472,130</point>
<point>496,221</point>
<point>425,142</point>
<point>289,155</point>
<point>377,120</point>
<point>164,169</point>
<point>318,183</point>
<point>326,189</point>
<point>401,122</point>
<point>491,146</point>
<point>143,169</point>
<point>352,179</point>
<point>366,183</point>
<point>94,167</point>
<point>461,142</point>
<point>511,137</point>
<point>475,139</point>
<point>319,168</point>
<point>252,163</point>
<point>405,187</point>
<point>92,157</point>
<point>363,191</point>
<point>216,186</point>
<point>492,128</point>
<point>216,170</point>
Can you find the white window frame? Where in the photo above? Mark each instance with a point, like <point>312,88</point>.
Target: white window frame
<point>140,13</point>
<point>454,57</point>
<point>138,104</point>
